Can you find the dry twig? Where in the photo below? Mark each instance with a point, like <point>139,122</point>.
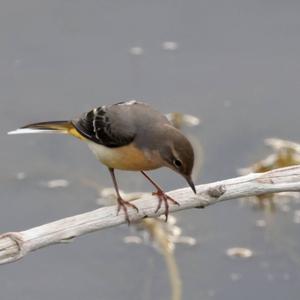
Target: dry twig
<point>15,245</point>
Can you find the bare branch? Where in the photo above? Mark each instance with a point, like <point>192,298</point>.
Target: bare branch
<point>15,245</point>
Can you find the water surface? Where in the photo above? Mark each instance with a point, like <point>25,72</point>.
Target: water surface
<point>236,67</point>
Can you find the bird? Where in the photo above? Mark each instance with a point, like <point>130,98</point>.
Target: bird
<point>132,136</point>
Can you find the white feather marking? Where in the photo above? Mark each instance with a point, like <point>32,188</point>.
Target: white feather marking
<point>29,130</point>
<point>130,102</point>
<point>94,122</point>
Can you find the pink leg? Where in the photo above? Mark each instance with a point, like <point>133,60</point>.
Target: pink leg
<point>121,202</point>
<point>162,196</point>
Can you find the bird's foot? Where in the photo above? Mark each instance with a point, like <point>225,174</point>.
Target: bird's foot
<point>122,204</point>
<point>163,197</point>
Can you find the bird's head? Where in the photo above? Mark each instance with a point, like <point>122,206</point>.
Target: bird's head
<point>178,154</point>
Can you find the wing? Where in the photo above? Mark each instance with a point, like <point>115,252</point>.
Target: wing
<point>103,126</point>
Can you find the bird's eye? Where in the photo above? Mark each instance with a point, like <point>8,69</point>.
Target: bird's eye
<point>177,163</point>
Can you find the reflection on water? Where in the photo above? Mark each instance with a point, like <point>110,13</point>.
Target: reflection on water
<point>239,252</point>
<point>285,154</point>
<point>280,210</point>
<point>163,236</point>
<point>56,183</point>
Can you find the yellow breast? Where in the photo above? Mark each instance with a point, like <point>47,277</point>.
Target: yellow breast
<point>127,157</point>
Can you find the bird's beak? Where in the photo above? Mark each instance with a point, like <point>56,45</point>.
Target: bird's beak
<point>191,183</point>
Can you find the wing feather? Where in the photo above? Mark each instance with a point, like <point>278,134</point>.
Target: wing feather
<point>98,125</point>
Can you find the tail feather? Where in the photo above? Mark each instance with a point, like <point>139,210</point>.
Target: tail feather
<point>51,125</point>
<point>64,127</point>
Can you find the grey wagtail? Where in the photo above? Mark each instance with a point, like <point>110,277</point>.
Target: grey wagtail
<point>129,136</point>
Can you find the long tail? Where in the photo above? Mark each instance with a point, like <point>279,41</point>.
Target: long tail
<point>64,127</point>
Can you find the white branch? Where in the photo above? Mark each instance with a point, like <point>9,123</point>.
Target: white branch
<point>15,245</point>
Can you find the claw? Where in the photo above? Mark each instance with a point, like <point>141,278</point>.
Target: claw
<point>124,204</point>
<point>163,197</point>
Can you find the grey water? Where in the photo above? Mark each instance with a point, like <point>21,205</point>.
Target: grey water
<point>234,64</point>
